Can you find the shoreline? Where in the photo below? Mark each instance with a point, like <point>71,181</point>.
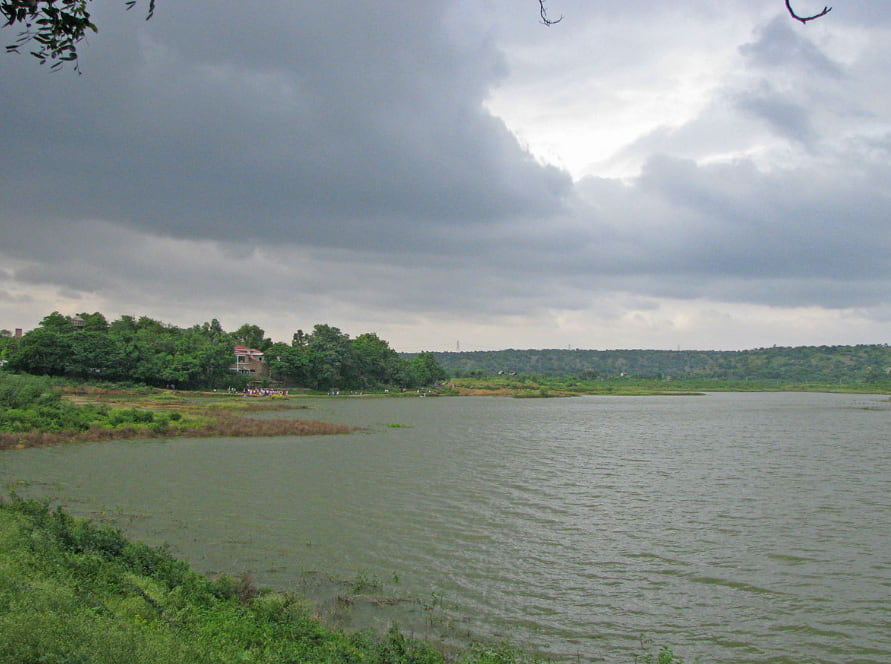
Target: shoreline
<point>180,415</point>
<point>204,414</point>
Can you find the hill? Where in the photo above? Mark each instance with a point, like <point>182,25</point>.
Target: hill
<point>823,364</point>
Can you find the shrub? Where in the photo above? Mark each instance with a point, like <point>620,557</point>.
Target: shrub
<point>130,416</point>
<point>24,391</point>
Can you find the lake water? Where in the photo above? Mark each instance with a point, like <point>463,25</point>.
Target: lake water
<point>732,527</point>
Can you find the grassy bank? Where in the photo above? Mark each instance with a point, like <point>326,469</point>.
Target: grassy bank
<point>38,411</point>
<point>73,592</point>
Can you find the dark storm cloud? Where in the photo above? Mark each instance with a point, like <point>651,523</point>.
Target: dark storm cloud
<point>783,59</point>
<point>780,47</point>
<point>340,157</point>
<point>689,230</point>
<point>785,117</point>
<point>305,125</point>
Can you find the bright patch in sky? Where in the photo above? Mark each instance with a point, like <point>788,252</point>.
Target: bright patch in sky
<point>583,132</point>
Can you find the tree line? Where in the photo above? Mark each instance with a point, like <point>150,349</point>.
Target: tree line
<point>826,364</point>
<point>147,351</point>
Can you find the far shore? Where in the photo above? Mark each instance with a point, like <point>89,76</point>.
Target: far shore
<point>206,414</point>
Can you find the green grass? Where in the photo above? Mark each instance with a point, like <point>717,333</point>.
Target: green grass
<point>72,592</point>
<point>75,592</point>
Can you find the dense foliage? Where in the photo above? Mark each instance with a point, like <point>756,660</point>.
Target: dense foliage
<point>327,358</point>
<point>31,403</point>
<point>818,364</point>
<point>52,29</point>
<point>146,351</point>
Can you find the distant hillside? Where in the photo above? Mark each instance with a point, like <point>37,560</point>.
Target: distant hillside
<point>850,364</point>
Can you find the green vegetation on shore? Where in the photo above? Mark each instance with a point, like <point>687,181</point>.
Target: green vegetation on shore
<point>74,592</point>
<point>38,411</point>
<point>149,352</point>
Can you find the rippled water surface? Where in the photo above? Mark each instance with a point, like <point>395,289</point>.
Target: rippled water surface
<point>733,527</point>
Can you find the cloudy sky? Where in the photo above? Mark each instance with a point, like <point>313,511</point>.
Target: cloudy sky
<point>709,175</point>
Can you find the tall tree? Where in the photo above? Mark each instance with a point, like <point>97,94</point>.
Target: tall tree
<point>43,351</point>
<point>331,359</point>
<point>376,360</point>
<point>57,323</point>
<point>94,354</point>
<point>252,336</point>
<point>94,322</point>
<point>426,370</point>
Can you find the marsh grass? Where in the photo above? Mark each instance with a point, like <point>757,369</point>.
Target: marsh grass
<point>365,582</point>
<point>215,425</point>
<point>38,412</point>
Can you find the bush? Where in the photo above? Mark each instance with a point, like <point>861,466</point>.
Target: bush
<point>130,416</point>
<point>26,391</point>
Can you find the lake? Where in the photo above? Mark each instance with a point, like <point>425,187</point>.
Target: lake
<point>731,527</point>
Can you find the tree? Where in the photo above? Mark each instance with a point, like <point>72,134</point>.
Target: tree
<point>331,360</point>
<point>8,343</point>
<point>94,322</point>
<point>93,354</point>
<point>426,370</point>
<point>376,359</point>
<point>58,26</point>
<point>56,322</point>
<point>44,351</point>
<point>252,337</point>
<point>145,347</point>
<point>198,359</point>
<point>285,363</point>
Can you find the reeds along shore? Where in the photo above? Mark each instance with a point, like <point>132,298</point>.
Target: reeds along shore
<point>222,425</point>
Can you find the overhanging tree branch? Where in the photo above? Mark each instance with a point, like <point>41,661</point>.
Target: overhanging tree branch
<point>54,27</point>
<point>805,19</point>
<point>543,11</point>
<point>151,8</point>
<point>58,26</point>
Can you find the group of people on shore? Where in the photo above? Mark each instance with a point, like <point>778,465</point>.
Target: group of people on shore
<point>264,392</point>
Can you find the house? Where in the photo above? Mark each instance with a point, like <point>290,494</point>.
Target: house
<point>249,361</point>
